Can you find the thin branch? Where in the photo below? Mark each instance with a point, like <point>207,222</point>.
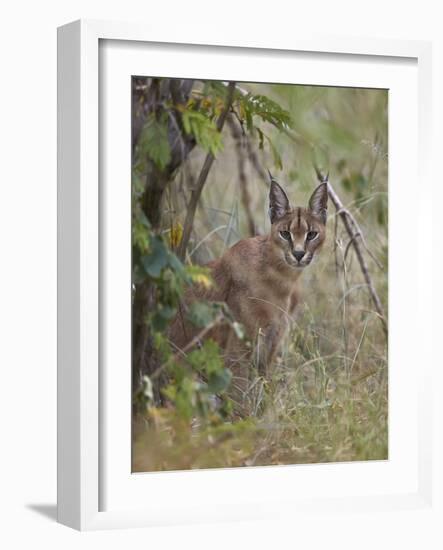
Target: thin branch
<point>348,246</point>
<point>245,195</point>
<point>239,120</point>
<point>253,158</point>
<point>197,190</point>
<point>359,234</point>
<point>352,229</point>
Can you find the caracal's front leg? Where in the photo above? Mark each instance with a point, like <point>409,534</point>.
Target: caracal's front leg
<point>267,346</point>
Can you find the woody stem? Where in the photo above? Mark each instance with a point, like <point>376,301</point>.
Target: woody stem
<point>356,236</point>
<point>197,191</point>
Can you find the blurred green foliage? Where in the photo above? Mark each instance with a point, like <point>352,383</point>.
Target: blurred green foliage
<point>155,263</point>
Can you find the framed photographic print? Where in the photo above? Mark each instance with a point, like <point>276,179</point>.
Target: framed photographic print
<point>233,277</point>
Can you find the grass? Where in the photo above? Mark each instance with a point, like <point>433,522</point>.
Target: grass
<point>328,398</point>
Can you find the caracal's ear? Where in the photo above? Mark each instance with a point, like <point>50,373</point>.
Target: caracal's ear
<point>278,201</point>
<point>318,203</point>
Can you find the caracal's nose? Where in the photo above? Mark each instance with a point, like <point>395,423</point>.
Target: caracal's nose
<point>298,254</point>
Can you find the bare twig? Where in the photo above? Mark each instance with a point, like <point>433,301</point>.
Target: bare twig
<point>354,231</point>
<point>253,158</point>
<point>245,195</point>
<point>359,234</point>
<point>197,190</point>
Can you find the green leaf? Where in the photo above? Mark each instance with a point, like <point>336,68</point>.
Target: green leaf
<point>176,264</point>
<point>157,259</point>
<point>265,108</point>
<point>203,129</point>
<point>206,359</point>
<point>162,316</point>
<point>185,398</point>
<point>218,87</point>
<point>154,141</point>
<point>201,314</point>
<point>141,217</point>
<point>218,382</point>
<point>260,138</point>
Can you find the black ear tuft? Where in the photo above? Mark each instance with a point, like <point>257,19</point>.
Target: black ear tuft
<point>278,201</point>
<point>318,203</point>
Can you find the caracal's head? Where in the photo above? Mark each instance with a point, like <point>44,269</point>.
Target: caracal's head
<point>298,232</point>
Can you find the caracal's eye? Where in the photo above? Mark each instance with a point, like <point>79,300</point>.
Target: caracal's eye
<point>285,235</point>
<point>310,236</point>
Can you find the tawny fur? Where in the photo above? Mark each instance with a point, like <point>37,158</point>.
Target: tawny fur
<point>258,279</point>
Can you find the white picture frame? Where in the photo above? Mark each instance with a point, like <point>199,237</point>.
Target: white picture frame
<point>80,428</point>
